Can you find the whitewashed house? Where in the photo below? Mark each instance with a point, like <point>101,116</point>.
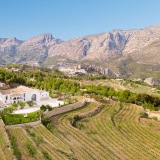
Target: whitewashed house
<point>22,94</point>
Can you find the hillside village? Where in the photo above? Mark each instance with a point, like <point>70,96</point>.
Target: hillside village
<point>86,69</point>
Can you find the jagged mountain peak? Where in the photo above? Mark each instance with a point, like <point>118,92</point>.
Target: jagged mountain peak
<point>46,37</point>
<point>40,39</point>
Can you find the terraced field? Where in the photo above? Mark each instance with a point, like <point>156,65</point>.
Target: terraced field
<point>5,147</point>
<point>22,140</point>
<point>114,131</point>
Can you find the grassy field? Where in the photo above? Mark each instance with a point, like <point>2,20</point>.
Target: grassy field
<point>110,131</point>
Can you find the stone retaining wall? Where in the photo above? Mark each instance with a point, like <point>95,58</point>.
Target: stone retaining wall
<point>24,124</point>
<point>64,109</point>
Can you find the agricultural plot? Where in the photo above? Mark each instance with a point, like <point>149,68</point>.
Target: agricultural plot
<point>26,146</point>
<point>119,130</point>
<point>112,131</point>
<point>115,133</point>
<point>5,147</point>
<point>53,144</point>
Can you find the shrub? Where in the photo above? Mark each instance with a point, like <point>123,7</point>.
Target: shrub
<point>144,114</point>
<point>50,127</point>
<point>46,155</point>
<point>119,126</point>
<point>15,105</point>
<point>31,149</point>
<point>49,107</point>
<point>53,95</point>
<point>150,124</point>
<point>38,140</point>
<point>45,107</point>
<point>134,85</point>
<point>8,110</point>
<point>22,104</point>
<point>30,103</point>
<point>155,118</point>
<point>15,148</point>
<point>45,121</point>
<point>80,125</point>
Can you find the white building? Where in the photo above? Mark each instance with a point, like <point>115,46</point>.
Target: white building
<point>22,94</point>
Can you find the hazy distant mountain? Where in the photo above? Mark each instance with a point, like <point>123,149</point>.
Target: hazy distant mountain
<point>34,50</point>
<point>112,45</point>
<point>126,52</point>
<point>8,49</point>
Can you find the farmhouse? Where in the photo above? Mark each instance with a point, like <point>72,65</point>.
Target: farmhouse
<point>22,94</point>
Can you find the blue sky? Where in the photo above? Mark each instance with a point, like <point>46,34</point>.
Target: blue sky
<point>67,19</point>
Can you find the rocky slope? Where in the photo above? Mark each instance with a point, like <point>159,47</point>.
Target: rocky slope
<point>8,49</point>
<point>111,46</point>
<point>151,81</point>
<point>125,52</point>
<point>32,51</point>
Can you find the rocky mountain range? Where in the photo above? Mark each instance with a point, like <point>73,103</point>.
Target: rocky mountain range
<point>129,53</point>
